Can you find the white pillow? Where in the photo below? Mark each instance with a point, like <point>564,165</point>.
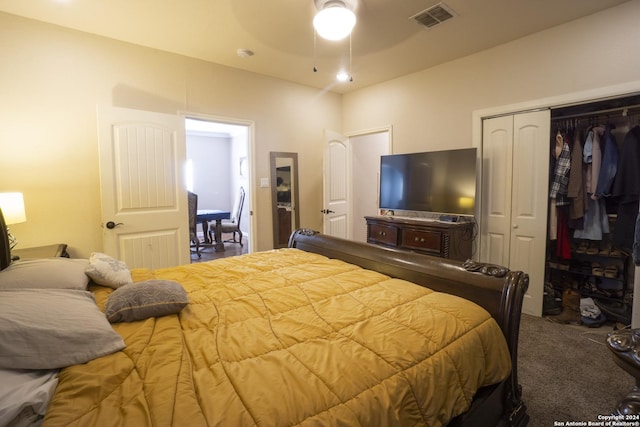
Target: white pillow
<point>60,273</point>
<point>25,395</point>
<point>108,271</point>
<point>52,328</point>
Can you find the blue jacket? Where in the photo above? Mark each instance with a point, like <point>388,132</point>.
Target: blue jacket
<point>609,165</point>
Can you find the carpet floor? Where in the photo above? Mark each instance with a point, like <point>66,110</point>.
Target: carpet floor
<point>567,372</point>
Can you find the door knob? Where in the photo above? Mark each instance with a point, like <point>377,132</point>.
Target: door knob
<point>111,225</point>
<point>515,226</point>
<point>327,211</point>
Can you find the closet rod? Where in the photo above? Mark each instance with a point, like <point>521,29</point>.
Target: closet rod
<point>597,113</point>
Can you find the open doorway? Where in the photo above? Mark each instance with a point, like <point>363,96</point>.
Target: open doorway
<point>218,166</point>
<point>366,150</point>
<point>351,179</point>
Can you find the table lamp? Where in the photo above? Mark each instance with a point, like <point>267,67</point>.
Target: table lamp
<point>12,206</point>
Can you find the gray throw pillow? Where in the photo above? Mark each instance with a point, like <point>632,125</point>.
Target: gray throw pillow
<point>151,298</point>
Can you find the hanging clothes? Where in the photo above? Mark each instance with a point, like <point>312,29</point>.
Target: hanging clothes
<point>560,183</point>
<point>587,159</point>
<point>609,165</point>
<point>596,222</point>
<point>575,187</point>
<point>626,190</point>
<point>596,161</point>
<point>563,244</point>
<point>558,195</point>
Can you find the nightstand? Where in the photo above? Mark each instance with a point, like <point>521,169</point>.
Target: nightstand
<point>49,251</point>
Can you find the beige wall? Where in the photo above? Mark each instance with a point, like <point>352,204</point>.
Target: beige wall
<point>432,109</point>
<point>51,80</point>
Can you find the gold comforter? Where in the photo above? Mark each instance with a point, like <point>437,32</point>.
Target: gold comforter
<point>285,338</point>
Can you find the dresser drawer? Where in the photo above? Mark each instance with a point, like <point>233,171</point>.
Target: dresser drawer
<point>452,240</point>
<point>429,241</point>
<point>382,234</point>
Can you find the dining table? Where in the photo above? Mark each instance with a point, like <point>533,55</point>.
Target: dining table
<point>206,215</point>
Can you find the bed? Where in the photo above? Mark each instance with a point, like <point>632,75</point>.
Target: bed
<point>324,332</point>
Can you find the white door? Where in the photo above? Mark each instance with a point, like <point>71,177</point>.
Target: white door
<point>497,160</point>
<point>144,200</point>
<point>336,207</point>
<point>515,193</point>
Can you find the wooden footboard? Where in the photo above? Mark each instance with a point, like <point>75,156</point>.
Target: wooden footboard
<point>501,296</point>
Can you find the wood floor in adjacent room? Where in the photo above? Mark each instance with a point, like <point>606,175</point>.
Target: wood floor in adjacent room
<point>208,253</point>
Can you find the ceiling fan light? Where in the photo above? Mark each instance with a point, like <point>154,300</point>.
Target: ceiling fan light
<point>334,21</point>
<point>342,76</point>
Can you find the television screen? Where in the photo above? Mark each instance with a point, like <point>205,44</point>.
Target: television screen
<point>438,181</point>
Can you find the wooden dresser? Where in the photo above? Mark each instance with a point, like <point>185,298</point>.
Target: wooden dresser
<point>453,240</point>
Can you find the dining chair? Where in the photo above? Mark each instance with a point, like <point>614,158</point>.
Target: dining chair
<point>233,225</point>
<point>193,221</point>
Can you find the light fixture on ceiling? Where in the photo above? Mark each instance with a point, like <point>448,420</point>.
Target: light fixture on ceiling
<point>342,76</point>
<point>334,21</point>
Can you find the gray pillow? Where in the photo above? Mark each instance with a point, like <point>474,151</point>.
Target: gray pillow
<point>53,273</point>
<point>52,328</point>
<point>108,271</point>
<point>151,298</point>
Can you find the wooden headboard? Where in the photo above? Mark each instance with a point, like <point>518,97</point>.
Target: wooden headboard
<point>5,250</point>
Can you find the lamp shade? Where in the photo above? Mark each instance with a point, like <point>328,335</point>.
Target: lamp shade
<point>334,21</point>
<point>12,205</point>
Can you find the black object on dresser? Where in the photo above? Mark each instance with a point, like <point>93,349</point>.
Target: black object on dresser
<point>452,240</point>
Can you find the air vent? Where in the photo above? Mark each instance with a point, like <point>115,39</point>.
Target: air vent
<point>433,16</point>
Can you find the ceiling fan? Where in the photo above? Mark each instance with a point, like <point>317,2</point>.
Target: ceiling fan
<point>335,18</point>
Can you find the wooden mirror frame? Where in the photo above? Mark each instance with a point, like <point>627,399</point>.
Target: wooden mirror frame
<point>278,240</point>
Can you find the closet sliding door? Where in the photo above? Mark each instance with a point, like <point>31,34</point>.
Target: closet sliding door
<point>515,195</point>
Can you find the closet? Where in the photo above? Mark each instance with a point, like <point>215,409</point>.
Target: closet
<point>515,196</point>
<point>515,206</point>
<point>594,185</point>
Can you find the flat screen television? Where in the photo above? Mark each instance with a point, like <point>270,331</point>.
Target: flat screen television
<point>442,182</point>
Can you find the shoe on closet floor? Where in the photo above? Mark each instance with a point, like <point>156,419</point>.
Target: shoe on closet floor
<point>570,308</point>
<point>611,271</point>
<point>617,311</point>
<point>617,252</point>
<point>551,301</point>
<point>593,248</point>
<point>596,269</point>
<point>582,247</point>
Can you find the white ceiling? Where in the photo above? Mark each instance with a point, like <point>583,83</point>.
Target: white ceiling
<point>385,43</point>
